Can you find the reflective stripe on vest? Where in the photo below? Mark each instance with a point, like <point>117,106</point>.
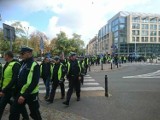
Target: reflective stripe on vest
<point>8,74</point>
<point>59,71</point>
<point>29,80</point>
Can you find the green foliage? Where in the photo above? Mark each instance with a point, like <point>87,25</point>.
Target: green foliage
<point>58,45</point>
<point>63,44</point>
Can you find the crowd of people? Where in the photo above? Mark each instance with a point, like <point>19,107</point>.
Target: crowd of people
<point>19,82</point>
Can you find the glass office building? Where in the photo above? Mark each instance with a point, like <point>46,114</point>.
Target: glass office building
<point>127,33</point>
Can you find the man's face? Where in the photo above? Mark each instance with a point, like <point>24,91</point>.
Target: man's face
<point>6,57</point>
<point>56,61</point>
<point>73,57</point>
<point>25,55</point>
<point>46,60</point>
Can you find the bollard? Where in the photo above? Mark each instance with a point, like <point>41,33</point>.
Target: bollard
<point>111,65</point>
<point>106,86</point>
<point>89,67</point>
<point>101,65</point>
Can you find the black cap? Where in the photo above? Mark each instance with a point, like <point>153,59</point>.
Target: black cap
<point>56,58</point>
<point>26,49</point>
<point>72,54</point>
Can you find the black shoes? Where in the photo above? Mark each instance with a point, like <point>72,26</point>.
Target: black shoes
<point>62,97</point>
<point>66,103</point>
<point>49,101</point>
<point>78,99</point>
<point>46,97</point>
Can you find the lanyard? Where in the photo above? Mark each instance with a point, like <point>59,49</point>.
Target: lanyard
<point>22,67</point>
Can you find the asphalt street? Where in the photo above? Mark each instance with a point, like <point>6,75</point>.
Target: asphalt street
<point>131,98</point>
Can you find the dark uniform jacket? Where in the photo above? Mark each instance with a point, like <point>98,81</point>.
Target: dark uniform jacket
<point>46,70</point>
<point>23,74</point>
<point>74,69</point>
<point>55,71</point>
<point>15,70</point>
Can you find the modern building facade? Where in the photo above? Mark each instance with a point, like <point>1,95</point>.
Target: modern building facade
<point>92,46</point>
<point>130,32</point>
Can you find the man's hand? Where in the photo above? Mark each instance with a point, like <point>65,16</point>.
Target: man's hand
<point>1,94</point>
<point>21,100</point>
<point>79,78</point>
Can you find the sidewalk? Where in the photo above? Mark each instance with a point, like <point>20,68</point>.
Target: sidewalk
<point>105,67</point>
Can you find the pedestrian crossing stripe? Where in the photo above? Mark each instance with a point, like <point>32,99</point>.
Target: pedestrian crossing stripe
<point>82,89</point>
<point>66,85</point>
<point>89,85</point>
<point>66,81</point>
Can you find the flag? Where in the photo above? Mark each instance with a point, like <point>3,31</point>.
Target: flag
<point>41,44</point>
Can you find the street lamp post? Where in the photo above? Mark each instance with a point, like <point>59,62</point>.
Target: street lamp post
<point>26,29</point>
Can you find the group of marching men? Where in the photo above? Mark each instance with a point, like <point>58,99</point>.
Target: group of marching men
<point>57,70</point>
<point>19,82</point>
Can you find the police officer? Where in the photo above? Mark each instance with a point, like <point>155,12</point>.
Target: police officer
<point>46,71</point>
<point>57,79</point>
<point>27,86</point>
<point>73,75</point>
<point>1,70</point>
<point>9,79</point>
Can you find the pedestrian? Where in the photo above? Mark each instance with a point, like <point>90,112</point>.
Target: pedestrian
<point>27,86</point>
<point>9,79</point>
<point>57,79</point>
<point>1,70</point>
<point>73,75</point>
<point>86,64</point>
<point>46,72</point>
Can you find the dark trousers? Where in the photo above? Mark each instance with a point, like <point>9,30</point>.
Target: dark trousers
<point>86,68</point>
<point>54,87</point>
<point>32,101</point>
<point>74,83</point>
<point>47,85</point>
<point>6,99</point>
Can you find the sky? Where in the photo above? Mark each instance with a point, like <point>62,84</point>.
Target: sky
<point>84,17</point>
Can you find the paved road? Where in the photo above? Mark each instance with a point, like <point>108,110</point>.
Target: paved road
<point>131,98</point>
<point>90,84</point>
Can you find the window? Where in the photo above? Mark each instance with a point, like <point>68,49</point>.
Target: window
<point>153,33</point>
<point>115,22</point>
<point>121,26</point>
<point>116,34</point>
<point>121,20</point>
<point>153,27</point>
<point>144,26</point>
<point>143,39</point>
<point>116,40</point>
<point>152,39</point>
<point>144,33</point>
<point>153,20</point>
<point>133,39</point>
<point>135,19</point>
<point>135,32</point>
<point>145,20</point>
<point>135,26</point>
<point>146,39</point>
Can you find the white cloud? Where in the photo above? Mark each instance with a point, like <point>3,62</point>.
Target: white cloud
<point>26,26</point>
<point>85,17</point>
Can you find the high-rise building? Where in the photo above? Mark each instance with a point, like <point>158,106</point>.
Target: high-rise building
<point>130,32</point>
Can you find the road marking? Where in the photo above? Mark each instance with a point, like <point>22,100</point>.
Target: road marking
<point>89,85</point>
<point>147,75</point>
